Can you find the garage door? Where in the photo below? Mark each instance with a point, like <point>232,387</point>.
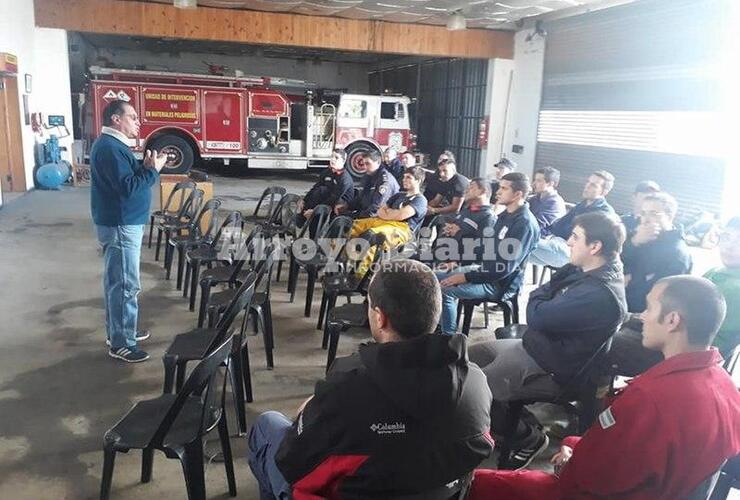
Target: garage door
<point>634,90</point>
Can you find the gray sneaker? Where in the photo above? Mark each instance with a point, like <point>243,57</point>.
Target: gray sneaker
<point>129,354</point>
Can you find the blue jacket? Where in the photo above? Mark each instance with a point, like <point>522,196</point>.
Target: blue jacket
<point>564,225</point>
<point>569,317</point>
<point>120,191</point>
<point>507,273</point>
<point>668,255</point>
<point>376,191</point>
<point>547,210</point>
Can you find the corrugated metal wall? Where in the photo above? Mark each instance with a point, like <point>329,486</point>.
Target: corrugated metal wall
<point>450,105</point>
<point>625,67</point>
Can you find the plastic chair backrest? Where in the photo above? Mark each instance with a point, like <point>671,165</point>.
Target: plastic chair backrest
<point>584,373</point>
<point>181,189</point>
<point>705,488</point>
<point>732,365</point>
<point>272,194</point>
<point>285,211</point>
<point>241,300</point>
<point>319,217</point>
<point>377,243</point>
<point>200,383</point>
<point>264,267</point>
<point>338,228</point>
<point>191,205</point>
<point>209,208</point>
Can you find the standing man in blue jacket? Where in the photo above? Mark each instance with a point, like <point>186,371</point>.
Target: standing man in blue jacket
<point>120,196</point>
<point>552,250</point>
<point>505,253</point>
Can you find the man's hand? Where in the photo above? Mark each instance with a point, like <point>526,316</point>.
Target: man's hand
<point>561,458</point>
<point>645,234</point>
<point>450,229</point>
<point>447,266</point>
<point>454,280</point>
<point>431,210</point>
<point>339,208</point>
<point>155,160</point>
<point>308,213</point>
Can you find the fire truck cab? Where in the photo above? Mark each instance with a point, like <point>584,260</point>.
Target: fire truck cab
<point>270,122</point>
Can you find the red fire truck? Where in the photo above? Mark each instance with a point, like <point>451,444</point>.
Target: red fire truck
<point>270,122</point>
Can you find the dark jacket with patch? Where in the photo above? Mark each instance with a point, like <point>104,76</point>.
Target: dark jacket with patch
<point>330,189</point>
<point>668,255</point>
<point>569,317</point>
<point>395,418</point>
<point>473,221</point>
<point>504,271</point>
<point>376,191</point>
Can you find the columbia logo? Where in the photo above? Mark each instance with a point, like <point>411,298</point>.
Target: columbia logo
<point>397,428</point>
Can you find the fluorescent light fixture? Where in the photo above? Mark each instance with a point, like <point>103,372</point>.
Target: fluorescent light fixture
<point>186,4</point>
<point>456,22</point>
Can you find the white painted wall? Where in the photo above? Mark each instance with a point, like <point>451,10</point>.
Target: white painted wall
<point>524,108</point>
<point>42,53</point>
<point>498,89</point>
<point>325,74</point>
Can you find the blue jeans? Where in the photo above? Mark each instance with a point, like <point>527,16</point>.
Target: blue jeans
<point>122,252</point>
<point>552,251</point>
<point>450,296</point>
<point>265,437</point>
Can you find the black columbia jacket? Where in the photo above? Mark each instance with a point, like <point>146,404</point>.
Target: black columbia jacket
<point>396,418</point>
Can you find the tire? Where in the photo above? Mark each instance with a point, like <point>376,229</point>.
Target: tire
<point>181,156</point>
<point>354,159</point>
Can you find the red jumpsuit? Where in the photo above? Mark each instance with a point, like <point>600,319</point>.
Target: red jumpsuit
<point>665,433</point>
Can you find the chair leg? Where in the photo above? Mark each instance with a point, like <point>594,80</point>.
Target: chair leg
<point>223,434</point>
<point>159,243</point>
<point>205,292</point>
<point>211,317</point>
<point>295,270</point>
<point>192,467</point>
<point>186,282</point>
<point>237,386</point>
<point>167,235</point>
<point>459,314</point>
<point>330,304</point>
<point>109,461</point>
<point>180,375</point>
<point>515,308</point>
<point>291,273</point>
<point>485,315</point>
<point>468,318</point>
<point>322,311</point>
<point>279,271</point>
<point>334,329</point>
<point>269,340</point>
<point>169,252</point>
<point>147,461</point>
<point>151,230</point>
<point>170,367</point>
<point>506,307</point>
<point>195,264</point>
<point>247,373</point>
<point>512,422</point>
<point>310,286</point>
<point>180,265</point>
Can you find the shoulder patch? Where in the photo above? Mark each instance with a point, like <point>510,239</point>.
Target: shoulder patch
<point>606,419</point>
<point>382,189</point>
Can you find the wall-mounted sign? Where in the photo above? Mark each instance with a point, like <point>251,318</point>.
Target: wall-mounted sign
<point>8,63</point>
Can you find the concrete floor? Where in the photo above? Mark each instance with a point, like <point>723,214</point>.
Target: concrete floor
<point>59,391</point>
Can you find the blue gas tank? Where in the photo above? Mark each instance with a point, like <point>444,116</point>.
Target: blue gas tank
<point>53,175</point>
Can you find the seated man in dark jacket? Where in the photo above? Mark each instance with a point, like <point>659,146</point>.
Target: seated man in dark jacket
<point>568,319</point>
<point>552,250</point>
<point>378,186</point>
<point>461,242</point>
<point>642,189</point>
<point>335,186</point>
<point>546,204</point>
<point>505,254</point>
<point>393,164</point>
<point>408,414</point>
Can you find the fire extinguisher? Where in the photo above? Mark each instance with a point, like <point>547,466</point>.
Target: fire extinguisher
<point>483,132</point>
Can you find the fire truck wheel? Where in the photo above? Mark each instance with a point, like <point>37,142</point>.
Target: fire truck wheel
<point>354,163</point>
<point>180,156</point>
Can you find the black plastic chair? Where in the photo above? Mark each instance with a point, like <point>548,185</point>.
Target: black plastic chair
<point>577,396</point>
<point>196,344</point>
<point>168,225</point>
<point>345,282</point>
<point>260,308</point>
<point>228,236</point>
<point>172,205</point>
<point>728,479</point>
<point>194,237</point>
<point>509,305</point>
<point>265,206</point>
<point>283,223</point>
<point>231,274</point>
<point>317,222</point>
<point>339,320</point>
<point>176,424</point>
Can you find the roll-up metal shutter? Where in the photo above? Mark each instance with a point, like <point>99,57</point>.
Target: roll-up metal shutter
<point>451,104</point>
<point>634,90</point>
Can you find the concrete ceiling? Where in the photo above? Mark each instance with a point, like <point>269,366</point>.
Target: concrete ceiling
<point>490,14</point>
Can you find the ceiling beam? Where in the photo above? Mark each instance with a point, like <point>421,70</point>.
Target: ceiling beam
<point>267,28</point>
